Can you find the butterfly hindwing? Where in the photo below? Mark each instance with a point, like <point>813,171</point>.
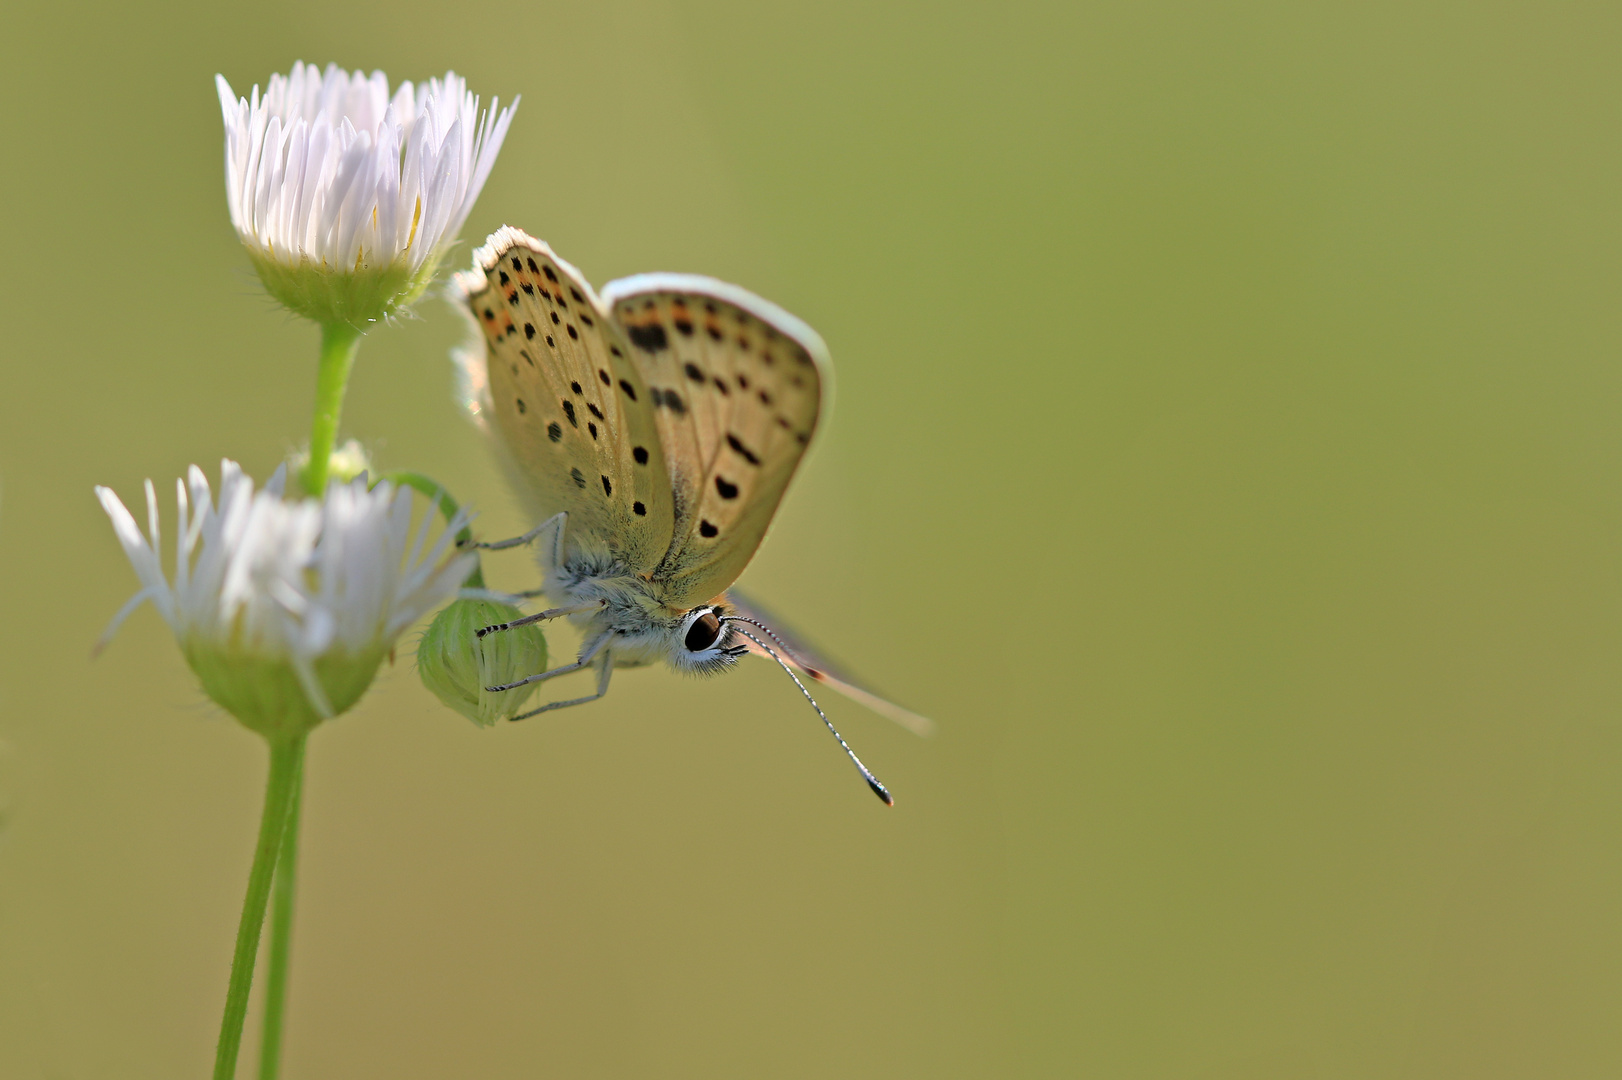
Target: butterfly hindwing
<point>736,384</point>
<point>568,403</point>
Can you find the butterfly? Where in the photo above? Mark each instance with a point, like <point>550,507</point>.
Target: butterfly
<point>651,430</point>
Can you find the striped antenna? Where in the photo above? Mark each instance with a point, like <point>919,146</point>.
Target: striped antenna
<point>867,774</point>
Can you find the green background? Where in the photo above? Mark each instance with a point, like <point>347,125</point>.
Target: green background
<point>1226,454</point>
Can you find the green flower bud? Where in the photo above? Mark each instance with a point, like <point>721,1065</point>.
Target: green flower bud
<point>343,465</point>
<point>457,665</point>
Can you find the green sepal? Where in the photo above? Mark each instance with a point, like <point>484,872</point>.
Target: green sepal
<point>355,297</point>
<point>266,695</point>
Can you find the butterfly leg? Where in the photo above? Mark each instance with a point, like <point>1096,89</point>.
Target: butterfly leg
<point>541,616</point>
<point>605,669</point>
<point>553,522</point>
<point>587,655</point>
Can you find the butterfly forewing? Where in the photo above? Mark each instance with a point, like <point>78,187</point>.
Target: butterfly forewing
<point>568,402</point>
<point>736,386</point>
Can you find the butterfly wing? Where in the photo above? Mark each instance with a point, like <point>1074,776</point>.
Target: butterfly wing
<point>802,656</point>
<point>737,385</point>
<point>568,405</point>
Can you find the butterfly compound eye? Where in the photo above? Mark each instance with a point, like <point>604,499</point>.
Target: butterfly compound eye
<point>704,632</point>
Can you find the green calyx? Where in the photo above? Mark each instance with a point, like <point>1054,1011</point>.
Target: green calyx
<point>456,665</point>
<point>357,296</point>
<point>266,695</point>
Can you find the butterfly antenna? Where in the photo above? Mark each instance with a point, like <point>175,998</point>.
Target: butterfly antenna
<point>867,774</point>
<point>810,669</point>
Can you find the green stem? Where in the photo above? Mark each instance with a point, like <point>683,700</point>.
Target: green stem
<point>285,756</point>
<point>447,506</point>
<point>339,341</point>
<point>281,933</point>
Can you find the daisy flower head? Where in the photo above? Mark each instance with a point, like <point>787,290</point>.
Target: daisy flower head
<point>346,195</point>
<point>285,608</point>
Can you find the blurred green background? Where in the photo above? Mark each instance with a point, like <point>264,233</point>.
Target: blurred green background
<point>1226,454</point>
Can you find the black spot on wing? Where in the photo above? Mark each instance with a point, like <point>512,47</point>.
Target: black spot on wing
<point>554,431</point>
<point>726,489</point>
<point>630,391</point>
<point>550,276</point>
<point>651,338</point>
<point>603,376</point>
<point>640,453</point>
<point>568,410</point>
<point>520,403</point>
<point>667,399</point>
<point>743,451</point>
<point>594,410</point>
<point>693,371</point>
<point>608,487</point>
<point>638,509</point>
<point>705,529</point>
<point>578,477</point>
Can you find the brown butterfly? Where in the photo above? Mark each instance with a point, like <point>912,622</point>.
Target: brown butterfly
<point>651,431</point>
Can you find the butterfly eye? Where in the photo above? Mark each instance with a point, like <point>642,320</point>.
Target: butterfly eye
<point>703,632</point>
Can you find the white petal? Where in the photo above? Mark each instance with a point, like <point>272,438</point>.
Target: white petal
<point>328,166</point>
<point>142,557</point>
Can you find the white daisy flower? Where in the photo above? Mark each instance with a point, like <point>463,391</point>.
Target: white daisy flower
<point>285,608</point>
<point>347,196</point>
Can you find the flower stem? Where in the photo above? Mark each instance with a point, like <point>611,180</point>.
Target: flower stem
<point>285,758</point>
<point>339,341</point>
<point>281,932</point>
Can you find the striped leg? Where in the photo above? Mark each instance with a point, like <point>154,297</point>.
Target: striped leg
<point>605,669</point>
<point>587,655</point>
